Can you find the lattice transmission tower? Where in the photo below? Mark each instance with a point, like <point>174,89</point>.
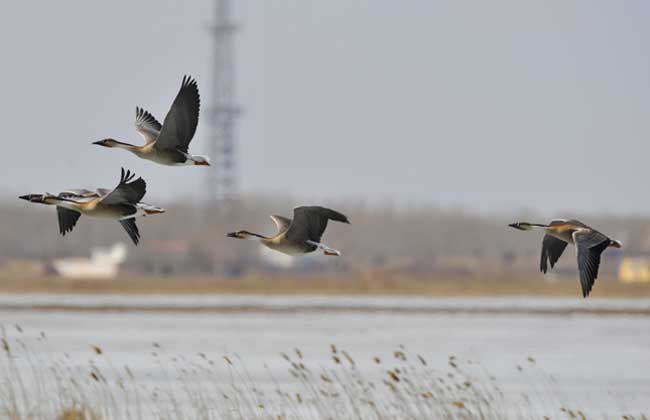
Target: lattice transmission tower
<point>222,183</point>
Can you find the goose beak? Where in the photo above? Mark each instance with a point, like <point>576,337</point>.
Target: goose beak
<point>516,226</point>
<point>232,235</point>
<point>34,198</point>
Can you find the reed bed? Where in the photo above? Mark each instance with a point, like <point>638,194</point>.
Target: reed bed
<point>401,385</point>
<point>356,284</point>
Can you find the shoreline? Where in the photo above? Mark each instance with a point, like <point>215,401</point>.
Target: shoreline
<point>310,304</point>
<point>344,285</point>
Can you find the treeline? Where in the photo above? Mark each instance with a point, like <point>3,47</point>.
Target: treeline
<point>191,240</point>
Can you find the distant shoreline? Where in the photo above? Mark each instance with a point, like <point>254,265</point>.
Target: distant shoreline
<point>323,304</point>
<point>324,310</point>
<point>343,285</point>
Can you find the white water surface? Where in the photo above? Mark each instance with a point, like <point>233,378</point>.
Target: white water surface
<point>598,362</point>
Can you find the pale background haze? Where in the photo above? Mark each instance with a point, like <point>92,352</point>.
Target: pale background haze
<point>493,106</point>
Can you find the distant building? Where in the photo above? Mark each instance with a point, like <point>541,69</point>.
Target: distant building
<point>634,270</point>
<point>103,263</point>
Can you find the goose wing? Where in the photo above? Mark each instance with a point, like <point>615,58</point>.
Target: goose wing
<point>103,191</point>
<point>309,223</point>
<point>127,191</point>
<point>67,219</point>
<point>131,229</point>
<point>146,125</point>
<point>282,223</point>
<point>79,195</point>
<point>82,192</point>
<point>552,249</point>
<point>589,245</point>
<point>181,120</point>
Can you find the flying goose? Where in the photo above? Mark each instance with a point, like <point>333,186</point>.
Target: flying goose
<point>167,144</point>
<point>122,204</point>
<point>589,245</point>
<point>301,235</point>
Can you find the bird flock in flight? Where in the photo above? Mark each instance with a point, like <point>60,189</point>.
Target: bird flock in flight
<point>168,144</point>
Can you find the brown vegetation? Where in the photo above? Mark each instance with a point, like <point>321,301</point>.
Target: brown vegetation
<point>205,386</point>
<point>433,286</point>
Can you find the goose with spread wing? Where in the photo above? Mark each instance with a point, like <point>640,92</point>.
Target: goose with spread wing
<point>123,204</point>
<point>301,235</point>
<point>167,143</point>
<point>589,244</point>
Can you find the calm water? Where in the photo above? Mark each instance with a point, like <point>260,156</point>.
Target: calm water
<point>601,362</point>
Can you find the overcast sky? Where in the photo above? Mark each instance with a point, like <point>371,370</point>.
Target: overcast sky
<point>489,105</point>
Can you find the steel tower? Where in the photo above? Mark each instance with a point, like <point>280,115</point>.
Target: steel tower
<point>223,111</point>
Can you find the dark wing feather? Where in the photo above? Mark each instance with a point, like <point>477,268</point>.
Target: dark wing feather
<point>127,191</point>
<point>589,246</point>
<point>309,223</point>
<point>67,219</point>
<point>132,229</point>
<point>552,249</point>
<point>181,120</point>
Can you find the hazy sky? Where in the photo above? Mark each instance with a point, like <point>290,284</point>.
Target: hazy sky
<point>490,105</point>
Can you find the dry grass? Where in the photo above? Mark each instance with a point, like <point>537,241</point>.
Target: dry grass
<point>332,285</point>
<point>397,385</point>
<point>75,413</point>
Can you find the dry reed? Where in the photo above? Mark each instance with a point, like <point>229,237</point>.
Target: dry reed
<point>400,385</point>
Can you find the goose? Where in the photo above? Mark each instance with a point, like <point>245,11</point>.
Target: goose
<point>122,204</point>
<point>167,144</point>
<point>301,235</point>
<point>589,244</point>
